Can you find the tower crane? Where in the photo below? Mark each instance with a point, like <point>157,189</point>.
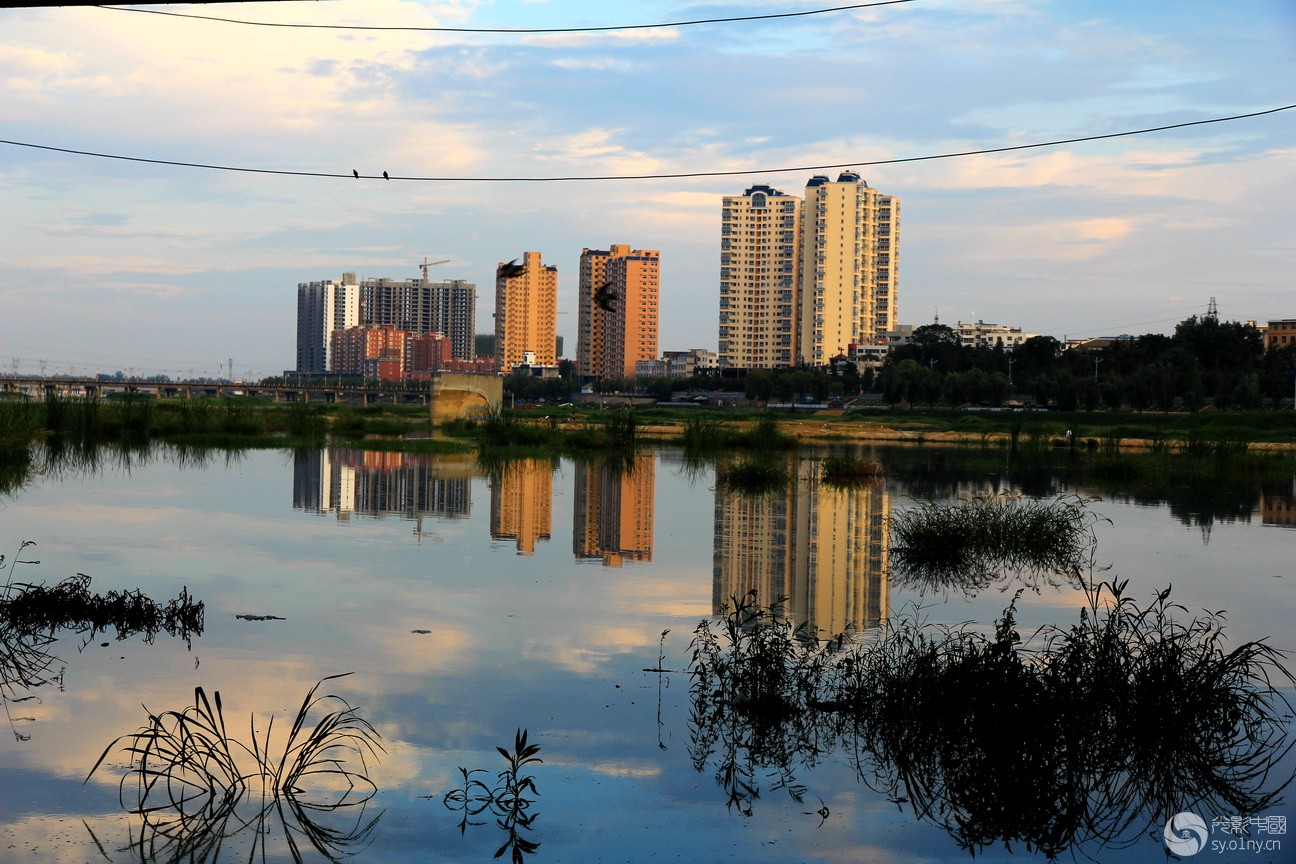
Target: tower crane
<point>426,264</point>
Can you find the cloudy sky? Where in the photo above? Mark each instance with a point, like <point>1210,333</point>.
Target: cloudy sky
<point>112,264</point>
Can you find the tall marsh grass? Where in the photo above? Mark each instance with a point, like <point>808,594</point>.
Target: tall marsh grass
<point>189,776</point>
<point>971,543</point>
<point>1078,737</point>
<point>848,471</point>
<point>752,475</point>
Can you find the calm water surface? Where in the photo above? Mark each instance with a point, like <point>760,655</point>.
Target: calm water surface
<point>469,606</point>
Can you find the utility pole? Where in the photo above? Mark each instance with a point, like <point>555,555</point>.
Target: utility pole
<point>1097,360</point>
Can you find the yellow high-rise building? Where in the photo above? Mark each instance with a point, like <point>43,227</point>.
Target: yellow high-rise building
<point>849,257</point>
<point>615,334</point>
<point>824,549</point>
<point>803,281</point>
<point>612,515</point>
<point>526,314</point>
<point>522,503</point>
<point>759,263</point>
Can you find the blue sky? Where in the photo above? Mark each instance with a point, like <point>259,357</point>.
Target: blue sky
<point>114,265</point>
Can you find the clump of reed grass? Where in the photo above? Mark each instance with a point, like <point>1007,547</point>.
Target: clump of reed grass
<point>70,604</point>
<point>753,475</point>
<point>848,471</point>
<point>504,429</point>
<point>1078,735</point>
<point>189,775</point>
<point>702,431</point>
<point>765,434</point>
<point>620,429</point>
<point>972,543</point>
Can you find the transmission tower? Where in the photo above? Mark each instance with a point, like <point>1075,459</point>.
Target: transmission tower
<point>1212,311</point>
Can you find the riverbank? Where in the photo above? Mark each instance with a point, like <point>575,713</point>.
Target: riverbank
<point>1259,430</point>
<point>255,423</point>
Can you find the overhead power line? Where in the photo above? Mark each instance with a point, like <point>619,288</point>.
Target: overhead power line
<point>515,30</point>
<point>384,175</point>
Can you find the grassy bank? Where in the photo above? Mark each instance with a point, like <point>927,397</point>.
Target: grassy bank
<point>212,422</point>
<point>1130,429</point>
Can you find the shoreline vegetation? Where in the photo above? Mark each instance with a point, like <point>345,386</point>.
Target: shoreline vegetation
<point>252,424</point>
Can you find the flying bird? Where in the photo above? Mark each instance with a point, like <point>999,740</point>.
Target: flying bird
<point>385,177</point>
<point>605,297</point>
<point>356,173</point>
<point>511,269</point>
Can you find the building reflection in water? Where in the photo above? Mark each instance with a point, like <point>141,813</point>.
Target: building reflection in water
<point>1278,506</point>
<point>345,481</point>
<point>522,502</point>
<point>612,518</point>
<point>822,547</point>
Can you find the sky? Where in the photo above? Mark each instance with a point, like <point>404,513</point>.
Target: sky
<point>161,269</point>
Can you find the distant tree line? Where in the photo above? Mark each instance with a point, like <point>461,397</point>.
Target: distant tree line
<point>1205,361</point>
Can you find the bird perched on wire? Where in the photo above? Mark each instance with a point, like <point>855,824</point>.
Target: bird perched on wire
<point>356,173</point>
<point>385,177</point>
<point>605,297</point>
<point>509,270</point>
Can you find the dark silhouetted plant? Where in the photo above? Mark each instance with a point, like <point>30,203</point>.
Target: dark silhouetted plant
<point>509,800</point>
<point>969,545</point>
<point>849,471</point>
<point>1078,735</point>
<point>754,475</point>
<point>189,776</point>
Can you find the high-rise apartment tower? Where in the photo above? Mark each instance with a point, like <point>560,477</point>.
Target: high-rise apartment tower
<point>323,307</point>
<point>526,313</point>
<point>759,259</point>
<point>849,256</point>
<point>802,281</point>
<point>618,293</point>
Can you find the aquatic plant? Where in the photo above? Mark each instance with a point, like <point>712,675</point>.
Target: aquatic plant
<point>764,435</point>
<point>620,429</point>
<point>971,544</point>
<point>1081,735</point>
<point>752,680</point>
<point>754,475</point>
<point>31,616</point>
<point>70,605</point>
<point>702,431</point>
<point>508,800</point>
<point>848,471</point>
<point>189,776</point>
<point>503,429</point>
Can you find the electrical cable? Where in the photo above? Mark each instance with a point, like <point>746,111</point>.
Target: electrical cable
<point>354,175</point>
<point>514,30</point>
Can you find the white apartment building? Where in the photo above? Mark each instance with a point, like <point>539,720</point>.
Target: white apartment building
<point>849,266</point>
<point>323,307</point>
<point>983,335</point>
<point>759,256</point>
<point>806,281</point>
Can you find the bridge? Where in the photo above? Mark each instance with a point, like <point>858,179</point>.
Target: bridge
<point>447,394</point>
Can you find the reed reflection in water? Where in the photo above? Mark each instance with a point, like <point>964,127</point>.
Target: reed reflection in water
<point>353,585</point>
